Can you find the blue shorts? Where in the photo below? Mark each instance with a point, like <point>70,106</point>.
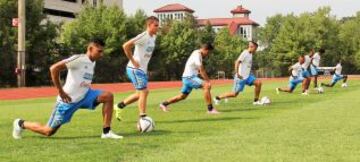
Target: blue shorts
<point>239,84</point>
<point>314,70</point>
<point>336,78</point>
<point>305,73</point>
<point>189,83</point>
<point>137,77</point>
<point>63,112</point>
<point>294,81</point>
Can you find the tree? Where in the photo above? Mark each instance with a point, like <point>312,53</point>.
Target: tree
<point>40,36</point>
<point>108,23</point>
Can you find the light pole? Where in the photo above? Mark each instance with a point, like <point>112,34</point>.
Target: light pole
<point>21,63</point>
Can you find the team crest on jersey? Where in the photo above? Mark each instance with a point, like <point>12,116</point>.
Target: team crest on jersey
<point>88,76</point>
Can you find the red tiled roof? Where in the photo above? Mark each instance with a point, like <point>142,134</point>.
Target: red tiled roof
<point>174,7</point>
<point>227,21</point>
<point>240,9</point>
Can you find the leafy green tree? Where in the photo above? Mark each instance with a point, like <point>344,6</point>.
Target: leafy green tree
<point>108,23</point>
<point>40,40</point>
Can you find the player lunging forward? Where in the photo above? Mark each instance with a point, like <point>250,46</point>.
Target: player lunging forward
<point>191,80</point>
<point>295,77</point>
<point>243,77</point>
<point>337,77</point>
<point>76,94</point>
<point>136,69</point>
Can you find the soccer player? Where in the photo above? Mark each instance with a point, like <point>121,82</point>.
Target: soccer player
<point>306,73</point>
<point>137,67</point>
<point>295,77</point>
<point>191,80</point>
<point>243,76</point>
<point>314,67</point>
<point>337,77</point>
<point>75,94</point>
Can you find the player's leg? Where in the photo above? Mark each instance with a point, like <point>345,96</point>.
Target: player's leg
<point>207,96</point>
<point>345,78</point>
<point>238,87</point>
<point>258,85</point>
<point>185,91</point>
<point>61,114</point>
<point>314,73</point>
<point>143,94</point>
<point>164,105</point>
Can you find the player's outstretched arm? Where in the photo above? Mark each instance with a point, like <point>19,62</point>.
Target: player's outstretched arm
<point>128,52</point>
<point>55,70</point>
<point>204,74</point>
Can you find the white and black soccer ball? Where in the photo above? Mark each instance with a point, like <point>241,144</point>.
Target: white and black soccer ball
<point>344,85</point>
<point>320,90</point>
<point>145,124</point>
<point>265,100</point>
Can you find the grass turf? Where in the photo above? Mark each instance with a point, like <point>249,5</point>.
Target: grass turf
<point>319,127</point>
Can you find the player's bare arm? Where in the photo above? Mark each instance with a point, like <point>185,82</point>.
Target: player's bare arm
<point>55,70</point>
<point>128,46</point>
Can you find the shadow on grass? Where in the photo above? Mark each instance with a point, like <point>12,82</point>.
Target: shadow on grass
<point>205,120</point>
<point>156,132</point>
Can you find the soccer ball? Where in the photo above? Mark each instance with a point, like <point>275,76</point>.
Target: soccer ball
<point>344,85</point>
<point>145,124</point>
<point>320,90</point>
<point>265,100</point>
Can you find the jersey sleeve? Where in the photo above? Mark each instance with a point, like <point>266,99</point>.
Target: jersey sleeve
<point>241,57</point>
<point>140,39</point>
<point>72,62</point>
<point>198,59</point>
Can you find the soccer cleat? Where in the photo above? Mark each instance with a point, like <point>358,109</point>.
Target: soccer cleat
<point>216,101</point>
<point>306,93</point>
<point>277,90</point>
<point>258,103</point>
<point>213,112</point>
<point>17,130</point>
<point>118,113</point>
<point>111,135</point>
<point>164,108</point>
<point>344,85</point>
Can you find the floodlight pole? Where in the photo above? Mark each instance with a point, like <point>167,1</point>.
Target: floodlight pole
<point>21,62</point>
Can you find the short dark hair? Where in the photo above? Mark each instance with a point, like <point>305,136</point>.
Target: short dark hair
<point>151,19</point>
<point>207,46</point>
<point>322,50</point>
<point>254,43</point>
<point>98,41</point>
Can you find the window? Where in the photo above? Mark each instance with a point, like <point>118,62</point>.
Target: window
<point>74,1</point>
<point>58,13</point>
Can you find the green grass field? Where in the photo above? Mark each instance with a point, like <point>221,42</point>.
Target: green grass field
<point>319,127</point>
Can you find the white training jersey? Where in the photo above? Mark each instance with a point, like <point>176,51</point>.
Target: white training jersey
<point>296,70</point>
<point>316,59</point>
<point>338,69</point>
<point>144,47</point>
<point>79,77</point>
<point>193,64</point>
<point>245,65</point>
<point>307,62</point>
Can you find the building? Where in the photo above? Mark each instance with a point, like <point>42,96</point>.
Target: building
<point>65,10</point>
<point>239,24</point>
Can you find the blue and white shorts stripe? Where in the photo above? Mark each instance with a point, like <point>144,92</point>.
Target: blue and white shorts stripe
<point>137,77</point>
<point>189,83</point>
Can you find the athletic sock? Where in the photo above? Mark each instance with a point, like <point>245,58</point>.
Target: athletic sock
<point>210,107</point>
<point>121,105</point>
<point>256,99</point>
<point>106,130</point>
<point>21,124</point>
<point>165,103</point>
<point>217,97</point>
